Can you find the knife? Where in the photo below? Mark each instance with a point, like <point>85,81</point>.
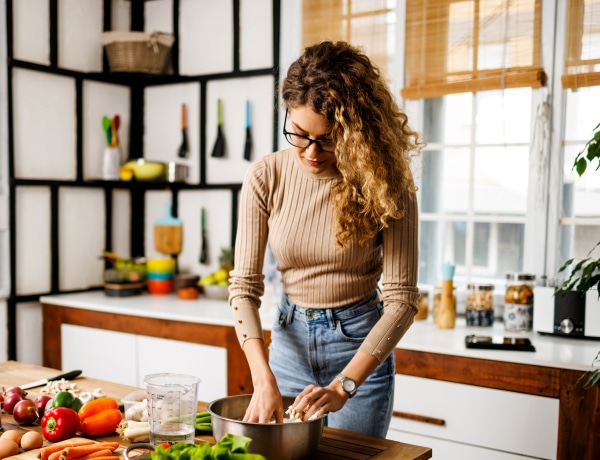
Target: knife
<point>38,383</point>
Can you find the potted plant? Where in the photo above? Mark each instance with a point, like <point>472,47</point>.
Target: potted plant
<point>584,275</point>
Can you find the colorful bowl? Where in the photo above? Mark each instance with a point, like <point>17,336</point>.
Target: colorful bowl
<point>215,291</point>
<point>144,170</point>
<point>160,287</point>
<point>159,276</point>
<point>161,265</point>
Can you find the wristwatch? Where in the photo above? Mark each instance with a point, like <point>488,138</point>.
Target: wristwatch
<point>348,385</point>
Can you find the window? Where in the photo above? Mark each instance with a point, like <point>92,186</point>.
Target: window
<point>580,196</point>
<point>473,184</point>
<point>474,77</point>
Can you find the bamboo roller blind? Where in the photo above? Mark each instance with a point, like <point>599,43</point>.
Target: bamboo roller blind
<point>582,52</point>
<point>363,23</point>
<point>455,46</point>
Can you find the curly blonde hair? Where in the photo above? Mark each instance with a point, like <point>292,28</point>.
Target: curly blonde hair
<point>374,143</point>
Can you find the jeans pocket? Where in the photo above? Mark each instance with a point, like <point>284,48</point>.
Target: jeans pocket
<point>356,328</point>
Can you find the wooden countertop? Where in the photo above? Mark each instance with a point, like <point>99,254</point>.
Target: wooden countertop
<point>335,444</point>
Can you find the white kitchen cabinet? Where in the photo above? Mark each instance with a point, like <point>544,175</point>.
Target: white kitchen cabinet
<point>478,422</point>
<point>204,361</point>
<point>100,354</point>
<point>442,449</point>
<point>127,358</point>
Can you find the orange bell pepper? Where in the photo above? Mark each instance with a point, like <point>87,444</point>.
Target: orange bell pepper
<point>99,416</point>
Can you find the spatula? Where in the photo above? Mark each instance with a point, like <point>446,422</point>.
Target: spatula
<point>248,144</point>
<point>219,147</point>
<point>183,148</point>
<point>204,248</point>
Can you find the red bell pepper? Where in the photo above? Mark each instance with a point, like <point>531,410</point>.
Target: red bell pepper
<point>99,416</point>
<point>59,423</point>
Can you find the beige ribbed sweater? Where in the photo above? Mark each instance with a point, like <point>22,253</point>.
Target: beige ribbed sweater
<point>283,202</point>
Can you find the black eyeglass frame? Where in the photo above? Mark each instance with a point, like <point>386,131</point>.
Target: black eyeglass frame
<point>310,141</point>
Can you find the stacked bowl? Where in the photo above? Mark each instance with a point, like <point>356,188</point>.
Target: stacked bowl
<point>159,274</point>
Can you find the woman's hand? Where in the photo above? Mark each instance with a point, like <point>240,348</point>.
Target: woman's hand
<point>317,401</point>
<point>265,404</point>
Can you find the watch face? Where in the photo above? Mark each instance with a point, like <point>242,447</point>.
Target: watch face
<point>348,385</point>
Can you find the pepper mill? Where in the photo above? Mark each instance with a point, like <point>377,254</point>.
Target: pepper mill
<point>446,317</point>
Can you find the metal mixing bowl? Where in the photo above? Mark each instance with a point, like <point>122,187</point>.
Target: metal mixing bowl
<point>276,441</point>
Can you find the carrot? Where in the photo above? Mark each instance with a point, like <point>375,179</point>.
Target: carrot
<point>55,455</point>
<point>99,453</point>
<point>71,453</point>
<point>60,446</point>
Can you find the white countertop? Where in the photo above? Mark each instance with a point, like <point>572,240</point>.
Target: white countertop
<point>551,351</point>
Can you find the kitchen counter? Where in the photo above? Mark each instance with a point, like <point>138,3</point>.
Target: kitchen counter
<point>426,351</point>
<point>425,336</point>
<point>335,444</point>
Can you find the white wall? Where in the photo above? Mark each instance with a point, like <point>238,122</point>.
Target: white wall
<point>44,104</point>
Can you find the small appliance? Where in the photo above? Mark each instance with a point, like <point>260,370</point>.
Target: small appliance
<point>568,315</point>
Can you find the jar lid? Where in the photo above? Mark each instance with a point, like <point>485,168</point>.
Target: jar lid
<point>520,277</point>
<point>480,287</point>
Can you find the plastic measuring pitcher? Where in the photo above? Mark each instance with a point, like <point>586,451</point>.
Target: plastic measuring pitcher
<point>172,407</point>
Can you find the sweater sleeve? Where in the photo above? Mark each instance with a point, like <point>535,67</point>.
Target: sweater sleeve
<point>400,273</point>
<point>247,279</point>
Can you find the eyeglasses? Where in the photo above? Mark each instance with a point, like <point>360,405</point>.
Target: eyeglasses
<point>304,142</point>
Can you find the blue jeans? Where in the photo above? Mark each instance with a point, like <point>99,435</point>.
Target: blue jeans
<point>312,346</point>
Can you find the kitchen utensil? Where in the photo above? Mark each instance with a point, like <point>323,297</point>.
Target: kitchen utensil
<point>216,291</point>
<point>183,148</point>
<point>160,287</point>
<point>38,383</point>
<point>172,407</point>
<point>446,317</point>
<point>204,243</point>
<point>219,147</point>
<point>248,144</point>
<point>117,124</point>
<point>160,266</point>
<point>177,172</point>
<point>290,440</point>
<point>144,170</point>
<point>168,233</point>
<point>106,128</point>
<point>185,280</point>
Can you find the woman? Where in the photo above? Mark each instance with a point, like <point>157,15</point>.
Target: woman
<point>338,209</point>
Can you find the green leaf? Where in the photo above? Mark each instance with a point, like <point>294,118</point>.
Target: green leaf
<point>581,165</point>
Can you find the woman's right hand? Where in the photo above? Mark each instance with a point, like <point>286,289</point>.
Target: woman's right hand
<point>265,404</point>
<point>266,401</point>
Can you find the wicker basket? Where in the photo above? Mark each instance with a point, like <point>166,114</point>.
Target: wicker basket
<point>138,51</point>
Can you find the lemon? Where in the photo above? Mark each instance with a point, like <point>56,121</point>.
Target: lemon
<point>207,280</point>
<point>221,275</point>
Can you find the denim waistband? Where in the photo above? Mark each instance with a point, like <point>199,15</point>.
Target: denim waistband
<point>292,311</point>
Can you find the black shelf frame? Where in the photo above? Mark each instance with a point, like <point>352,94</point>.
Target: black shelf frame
<point>137,189</point>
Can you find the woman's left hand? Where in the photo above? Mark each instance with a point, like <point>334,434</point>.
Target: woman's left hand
<point>317,401</point>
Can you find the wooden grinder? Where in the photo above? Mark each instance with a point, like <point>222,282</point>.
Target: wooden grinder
<point>446,317</point>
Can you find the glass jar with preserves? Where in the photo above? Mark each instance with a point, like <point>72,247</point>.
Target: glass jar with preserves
<point>518,302</point>
<point>480,304</point>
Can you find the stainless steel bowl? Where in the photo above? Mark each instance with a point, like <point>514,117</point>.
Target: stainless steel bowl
<point>276,441</point>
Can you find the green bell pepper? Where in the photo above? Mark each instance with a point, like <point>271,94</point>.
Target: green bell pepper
<point>64,399</point>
